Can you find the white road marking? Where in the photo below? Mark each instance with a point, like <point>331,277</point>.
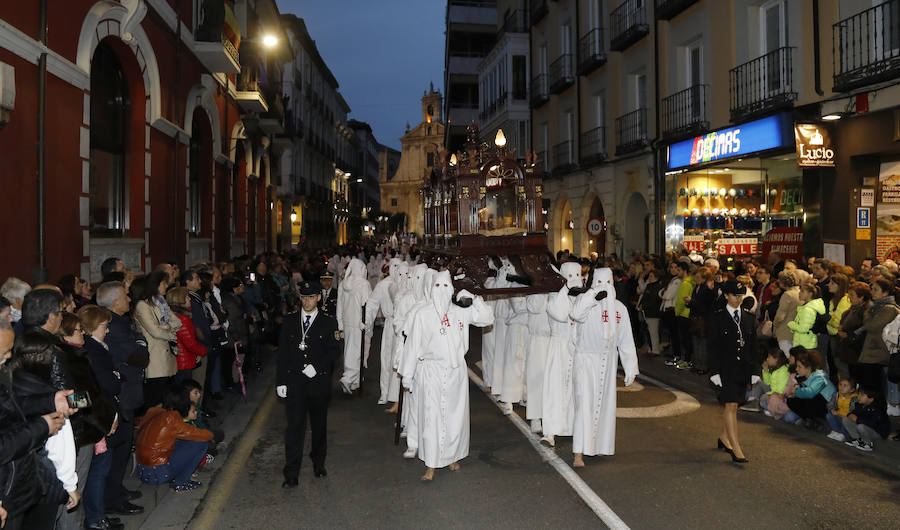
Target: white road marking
<point>683,404</point>
<point>589,496</point>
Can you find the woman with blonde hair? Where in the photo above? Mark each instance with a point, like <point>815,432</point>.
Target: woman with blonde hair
<point>787,310</point>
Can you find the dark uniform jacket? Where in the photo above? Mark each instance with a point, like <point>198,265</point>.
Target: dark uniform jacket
<point>323,347</point>
<point>329,305</point>
<point>727,357</point>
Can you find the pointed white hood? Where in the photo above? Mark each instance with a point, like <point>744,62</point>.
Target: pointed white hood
<point>417,283</point>
<point>428,283</point>
<point>571,272</point>
<point>355,275</point>
<point>603,281</point>
<point>442,292</point>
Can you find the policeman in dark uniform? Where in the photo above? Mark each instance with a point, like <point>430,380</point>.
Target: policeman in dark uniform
<point>309,345</point>
<point>328,303</point>
<point>732,361</point>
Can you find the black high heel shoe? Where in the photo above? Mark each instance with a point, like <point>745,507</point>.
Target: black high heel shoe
<point>723,447</point>
<point>737,460</point>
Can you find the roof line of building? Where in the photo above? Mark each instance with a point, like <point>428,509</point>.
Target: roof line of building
<point>299,25</point>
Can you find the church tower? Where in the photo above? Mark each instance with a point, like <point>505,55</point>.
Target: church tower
<point>431,106</point>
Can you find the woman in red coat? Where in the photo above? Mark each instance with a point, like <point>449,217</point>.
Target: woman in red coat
<point>189,349</point>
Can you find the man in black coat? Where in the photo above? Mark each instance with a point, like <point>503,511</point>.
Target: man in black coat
<point>328,302</point>
<point>308,347</point>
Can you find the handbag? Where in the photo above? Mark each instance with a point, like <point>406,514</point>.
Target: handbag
<point>698,326</point>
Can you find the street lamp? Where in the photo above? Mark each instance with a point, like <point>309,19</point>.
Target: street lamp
<point>269,41</point>
<point>293,216</point>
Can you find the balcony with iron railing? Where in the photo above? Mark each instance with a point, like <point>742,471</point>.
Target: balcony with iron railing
<point>493,107</point>
<point>592,146</point>
<point>538,9</point>
<point>762,85</point>
<point>684,113</point>
<point>562,76</point>
<point>515,22</point>
<point>631,132</point>
<point>669,9</point>
<point>591,51</point>
<point>563,157</point>
<point>539,92</point>
<point>628,24</point>
<point>212,45</point>
<point>867,47</point>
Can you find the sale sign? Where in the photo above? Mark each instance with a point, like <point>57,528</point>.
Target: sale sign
<point>739,246</point>
<point>694,243</point>
<point>787,241</point>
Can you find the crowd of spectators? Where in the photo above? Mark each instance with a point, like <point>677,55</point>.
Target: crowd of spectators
<point>826,332</point>
<point>123,375</point>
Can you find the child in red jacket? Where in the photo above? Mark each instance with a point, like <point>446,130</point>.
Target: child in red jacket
<point>189,349</point>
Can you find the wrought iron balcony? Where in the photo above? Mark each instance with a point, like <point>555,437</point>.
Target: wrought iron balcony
<point>539,93</point>
<point>631,132</point>
<point>563,157</point>
<point>591,52</point>
<point>669,9</point>
<point>867,47</point>
<point>592,146</point>
<point>763,84</point>
<point>684,113</point>
<point>561,73</point>
<point>539,10</point>
<point>628,24</point>
<point>212,46</point>
<point>515,22</point>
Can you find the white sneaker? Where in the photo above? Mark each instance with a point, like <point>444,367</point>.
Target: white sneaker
<point>382,401</point>
<point>549,441</point>
<point>893,410</point>
<point>836,436</point>
<point>402,434</point>
<point>409,453</point>
<point>536,426</point>
<point>507,409</point>
<point>345,389</point>
<point>767,413</point>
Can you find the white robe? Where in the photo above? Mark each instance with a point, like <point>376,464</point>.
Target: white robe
<point>441,379</point>
<point>488,339</point>
<point>558,405</point>
<point>380,299</point>
<point>515,349</point>
<point>536,358</point>
<point>407,358</point>
<point>603,338</point>
<point>353,293</point>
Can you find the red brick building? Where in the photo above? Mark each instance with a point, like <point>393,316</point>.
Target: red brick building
<point>154,140</point>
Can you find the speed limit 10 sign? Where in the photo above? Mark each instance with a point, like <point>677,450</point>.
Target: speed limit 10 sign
<point>594,226</point>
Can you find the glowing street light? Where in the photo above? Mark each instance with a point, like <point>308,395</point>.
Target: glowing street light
<point>500,139</point>
<point>269,41</point>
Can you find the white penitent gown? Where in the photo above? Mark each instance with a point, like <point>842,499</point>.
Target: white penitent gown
<point>558,407</point>
<point>404,299</point>
<point>408,359</point>
<point>603,338</point>
<point>497,340</point>
<point>381,300</point>
<point>487,340</point>
<point>440,336</point>
<point>352,294</point>
<point>536,358</point>
<point>515,349</point>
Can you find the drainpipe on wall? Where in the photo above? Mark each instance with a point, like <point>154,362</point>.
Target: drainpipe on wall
<point>40,273</point>
<point>817,68</point>
<point>176,140</point>
<point>659,180</point>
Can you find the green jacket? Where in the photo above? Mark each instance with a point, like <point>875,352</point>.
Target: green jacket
<point>837,311</point>
<point>686,289</point>
<point>776,380</point>
<point>804,321</point>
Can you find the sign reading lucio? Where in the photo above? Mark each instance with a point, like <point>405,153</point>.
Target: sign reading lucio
<point>814,148</point>
<point>772,132</point>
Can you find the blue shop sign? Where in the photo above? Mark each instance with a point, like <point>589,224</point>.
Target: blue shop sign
<point>742,140</point>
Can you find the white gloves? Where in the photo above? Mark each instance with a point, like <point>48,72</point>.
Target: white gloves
<point>716,380</point>
<point>309,371</point>
<point>629,379</point>
<point>407,384</point>
<point>464,294</point>
<point>754,379</point>
<point>281,391</point>
<point>362,325</point>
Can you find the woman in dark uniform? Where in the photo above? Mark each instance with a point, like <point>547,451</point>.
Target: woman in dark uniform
<point>732,358</point>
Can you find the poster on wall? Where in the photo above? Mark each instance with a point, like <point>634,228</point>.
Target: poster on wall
<point>887,219</point>
<point>739,246</point>
<point>787,241</point>
<point>814,148</point>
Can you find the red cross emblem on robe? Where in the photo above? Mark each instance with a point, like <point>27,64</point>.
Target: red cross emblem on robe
<point>605,316</point>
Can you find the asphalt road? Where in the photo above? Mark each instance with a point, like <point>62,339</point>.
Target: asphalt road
<point>666,473</point>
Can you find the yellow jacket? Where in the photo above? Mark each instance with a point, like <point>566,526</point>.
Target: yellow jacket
<point>836,313</point>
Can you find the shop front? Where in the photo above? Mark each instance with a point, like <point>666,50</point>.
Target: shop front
<point>736,192</point>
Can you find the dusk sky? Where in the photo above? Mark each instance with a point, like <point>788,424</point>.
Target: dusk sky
<point>383,54</point>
